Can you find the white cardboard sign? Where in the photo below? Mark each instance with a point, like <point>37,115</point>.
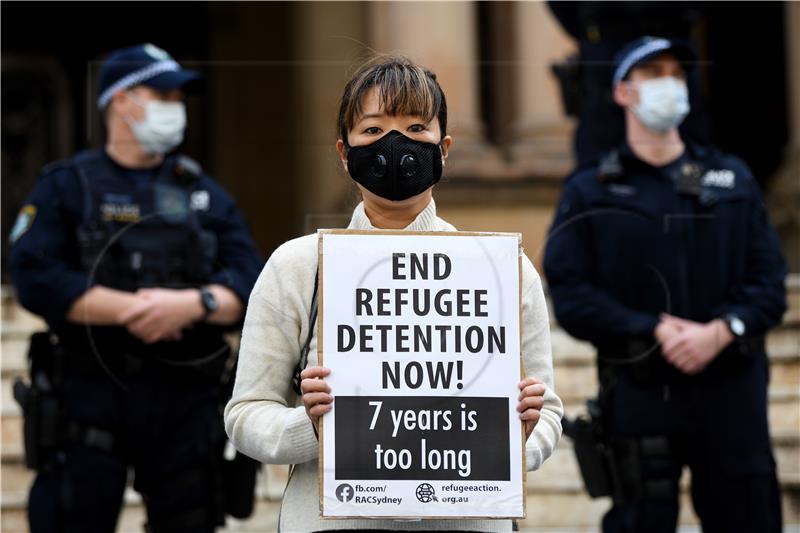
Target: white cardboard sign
<point>421,332</point>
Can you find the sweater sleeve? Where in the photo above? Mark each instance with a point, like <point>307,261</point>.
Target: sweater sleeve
<point>261,418</point>
<point>538,362</point>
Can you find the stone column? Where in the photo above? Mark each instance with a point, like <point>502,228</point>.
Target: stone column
<point>783,198</point>
<point>442,37</point>
<point>544,134</point>
<point>327,42</point>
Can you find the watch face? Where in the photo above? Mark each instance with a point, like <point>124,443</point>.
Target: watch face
<point>737,326</point>
<point>209,302</point>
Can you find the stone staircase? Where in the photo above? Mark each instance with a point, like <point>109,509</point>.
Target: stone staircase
<point>556,499</point>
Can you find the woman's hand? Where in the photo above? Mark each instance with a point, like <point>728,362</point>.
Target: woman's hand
<point>317,396</point>
<point>531,400</point>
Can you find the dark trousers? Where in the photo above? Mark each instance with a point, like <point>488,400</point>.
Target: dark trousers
<point>716,424</point>
<point>169,433</point>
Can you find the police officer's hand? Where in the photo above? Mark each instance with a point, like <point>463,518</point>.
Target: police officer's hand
<point>317,397</point>
<point>696,344</point>
<point>531,401</point>
<point>665,331</point>
<point>161,314</point>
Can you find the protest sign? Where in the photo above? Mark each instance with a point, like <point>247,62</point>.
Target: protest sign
<point>421,332</point>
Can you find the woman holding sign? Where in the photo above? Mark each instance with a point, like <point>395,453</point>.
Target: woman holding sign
<point>389,106</point>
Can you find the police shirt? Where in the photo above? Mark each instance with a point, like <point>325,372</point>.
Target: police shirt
<point>691,239</point>
<point>45,256</point>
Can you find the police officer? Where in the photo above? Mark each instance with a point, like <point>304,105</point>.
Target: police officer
<point>139,262</point>
<point>663,257</point>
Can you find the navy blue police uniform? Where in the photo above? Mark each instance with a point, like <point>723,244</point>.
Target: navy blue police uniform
<point>154,407</point>
<point>100,400</point>
<point>630,241</point>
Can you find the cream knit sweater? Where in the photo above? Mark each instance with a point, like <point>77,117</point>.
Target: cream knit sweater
<point>265,420</point>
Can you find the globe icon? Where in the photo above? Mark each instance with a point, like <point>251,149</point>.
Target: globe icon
<point>425,493</point>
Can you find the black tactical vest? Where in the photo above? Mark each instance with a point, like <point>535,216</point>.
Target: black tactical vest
<point>133,237</point>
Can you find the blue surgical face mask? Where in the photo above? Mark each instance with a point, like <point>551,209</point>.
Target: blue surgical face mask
<point>162,128</point>
<point>663,103</point>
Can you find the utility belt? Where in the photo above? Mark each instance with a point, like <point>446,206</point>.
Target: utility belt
<point>201,356</point>
<point>47,429</point>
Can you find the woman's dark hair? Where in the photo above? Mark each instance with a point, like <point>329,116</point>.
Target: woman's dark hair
<point>404,88</point>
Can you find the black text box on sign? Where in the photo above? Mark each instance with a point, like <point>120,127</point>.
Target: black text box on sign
<point>450,438</point>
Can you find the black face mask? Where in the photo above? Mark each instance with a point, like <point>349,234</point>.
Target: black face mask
<point>395,167</point>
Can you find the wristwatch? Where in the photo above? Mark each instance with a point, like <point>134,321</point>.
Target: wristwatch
<point>735,324</point>
<point>210,303</point>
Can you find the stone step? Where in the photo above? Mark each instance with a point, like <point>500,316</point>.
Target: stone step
<point>12,438</point>
<point>784,413</point>
<point>19,323</point>
<point>15,355</point>
<point>264,518</point>
<point>546,507</point>
<point>549,512</point>
<point>784,342</point>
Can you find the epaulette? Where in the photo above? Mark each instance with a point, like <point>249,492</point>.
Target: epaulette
<point>187,168</point>
<point>610,167</point>
<point>55,166</point>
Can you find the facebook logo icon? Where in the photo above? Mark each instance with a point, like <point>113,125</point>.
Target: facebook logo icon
<point>344,493</point>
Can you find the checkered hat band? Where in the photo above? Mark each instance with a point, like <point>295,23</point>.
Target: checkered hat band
<point>136,77</point>
<point>634,57</point>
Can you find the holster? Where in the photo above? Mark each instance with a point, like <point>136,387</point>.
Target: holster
<point>43,424</point>
<point>612,466</point>
<point>594,457</point>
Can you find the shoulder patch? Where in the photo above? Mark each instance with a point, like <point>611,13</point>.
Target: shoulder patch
<point>200,200</point>
<point>719,178</point>
<point>23,223</point>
